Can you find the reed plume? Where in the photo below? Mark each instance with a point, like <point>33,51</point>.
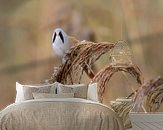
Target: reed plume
<point>80,58</point>
<point>103,76</point>
<point>149,95</point>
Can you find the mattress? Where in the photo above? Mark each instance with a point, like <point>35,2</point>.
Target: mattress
<point>59,114</point>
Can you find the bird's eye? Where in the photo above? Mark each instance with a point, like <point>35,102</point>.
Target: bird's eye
<point>54,37</point>
<point>61,36</point>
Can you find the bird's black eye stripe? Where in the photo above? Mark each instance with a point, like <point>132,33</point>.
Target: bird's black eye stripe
<point>61,36</point>
<point>54,37</point>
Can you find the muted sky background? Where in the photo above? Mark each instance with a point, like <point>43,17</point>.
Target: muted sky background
<point>26,27</point>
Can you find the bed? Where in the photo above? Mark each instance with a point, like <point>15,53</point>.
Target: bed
<point>59,114</point>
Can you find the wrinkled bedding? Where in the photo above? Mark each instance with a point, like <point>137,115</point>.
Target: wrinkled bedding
<point>59,114</point>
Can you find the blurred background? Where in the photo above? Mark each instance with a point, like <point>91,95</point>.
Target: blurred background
<point>26,28</point>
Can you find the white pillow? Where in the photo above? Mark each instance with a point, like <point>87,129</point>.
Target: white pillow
<point>92,93</point>
<point>24,92</point>
<point>49,95</point>
<point>79,90</point>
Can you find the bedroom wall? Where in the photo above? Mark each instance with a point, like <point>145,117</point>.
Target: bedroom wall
<point>26,27</point>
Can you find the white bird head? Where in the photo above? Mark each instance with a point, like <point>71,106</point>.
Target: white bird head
<point>60,42</point>
<point>59,35</point>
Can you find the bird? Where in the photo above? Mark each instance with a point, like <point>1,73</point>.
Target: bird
<point>62,43</point>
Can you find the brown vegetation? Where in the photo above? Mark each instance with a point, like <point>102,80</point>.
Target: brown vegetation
<point>149,96</point>
<point>80,58</point>
<point>103,76</point>
<point>123,106</point>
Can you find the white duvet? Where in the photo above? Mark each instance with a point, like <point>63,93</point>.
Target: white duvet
<point>59,114</point>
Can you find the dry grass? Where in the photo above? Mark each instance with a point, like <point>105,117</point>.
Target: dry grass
<point>149,96</point>
<point>122,107</point>
<point>80,58</point>
<point>103,77</point>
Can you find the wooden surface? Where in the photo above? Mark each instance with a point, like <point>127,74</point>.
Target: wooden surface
<point>146,121</point>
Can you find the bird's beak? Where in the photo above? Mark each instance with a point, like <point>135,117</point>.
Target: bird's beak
<point>57,33</point>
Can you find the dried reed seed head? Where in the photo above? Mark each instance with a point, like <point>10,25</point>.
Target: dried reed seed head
<point>79,58</point>
<point>122,108</point>
<point>103,76</point>
<point>154,97</point>
<point>55,75</point>
<point>150,94</point>
<point>92,50</point>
